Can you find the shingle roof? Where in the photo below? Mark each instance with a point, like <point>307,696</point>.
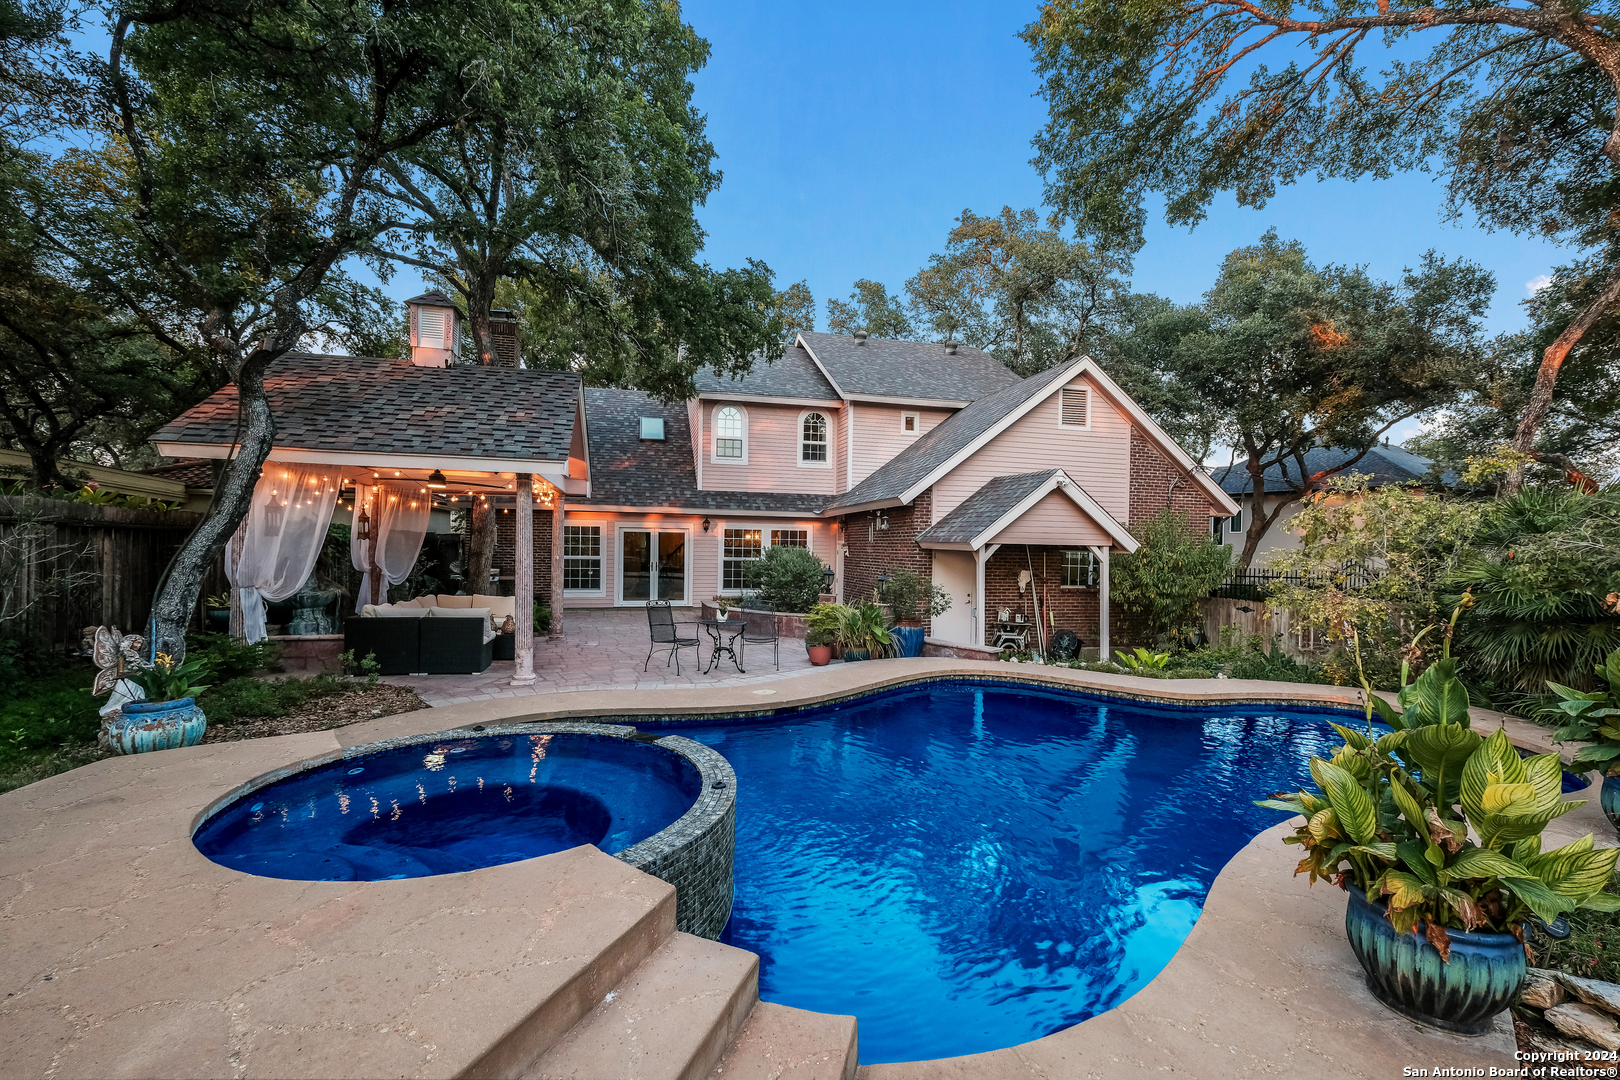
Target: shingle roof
<point>432,298</point>
<point>984,508</point>
<point>1384,464</point>
<point>192,472</point>
<point>362,404</point>
<point>627,470</point>
<point>939,445</point>
<point>795,375</point>
<point>908,369</point>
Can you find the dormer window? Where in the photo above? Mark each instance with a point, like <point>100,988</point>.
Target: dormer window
<point>730,434</point>
<point>652,427</point>
<point>813,438</point>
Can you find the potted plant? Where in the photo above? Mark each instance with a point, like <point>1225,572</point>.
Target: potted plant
<point>218,615</point>
<point>818,643</point>
<point>863,631</point>
<point>910,600</point>
<point>824,620</point>
<point>1593,717</point>
<point>1436,834</point>
<point>169,716</point>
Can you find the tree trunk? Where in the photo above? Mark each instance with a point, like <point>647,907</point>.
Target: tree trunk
<point>481,553</point>
<point>171,610</point>
<point>1535,414</point>
<point>46,472</point>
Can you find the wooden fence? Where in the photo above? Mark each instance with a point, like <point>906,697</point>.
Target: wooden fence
<point>67,565</point>
<point>1293,636</point>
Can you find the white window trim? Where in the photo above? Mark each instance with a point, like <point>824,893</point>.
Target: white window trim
<point>764,545</point>
<point>618,565</point>
<point>1083,551</point>
<point>798,441</point>
<point>714,434</point>
<point>916,428</point>
<point>602,574</point>
<point>1089,395</point>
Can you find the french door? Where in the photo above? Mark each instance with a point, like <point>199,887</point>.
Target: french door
<point>652,566</point>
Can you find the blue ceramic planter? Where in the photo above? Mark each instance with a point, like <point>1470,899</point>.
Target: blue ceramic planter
<point>143,726</point>
<point>908,639</point>
<point>1406,973</point>
<point>1609,799</point>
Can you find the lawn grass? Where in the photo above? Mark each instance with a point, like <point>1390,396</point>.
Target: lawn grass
<point>48,724</point>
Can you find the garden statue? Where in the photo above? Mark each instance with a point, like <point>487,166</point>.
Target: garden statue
<point>116,657</point>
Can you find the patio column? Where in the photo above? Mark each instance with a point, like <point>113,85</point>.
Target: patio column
<point>523,581</point>
<point>980,557</point>
<point>557,565</point>
<point>1103,649</point>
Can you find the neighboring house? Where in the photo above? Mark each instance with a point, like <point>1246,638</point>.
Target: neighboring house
<point>876,455</point>
<point>1382,465</point>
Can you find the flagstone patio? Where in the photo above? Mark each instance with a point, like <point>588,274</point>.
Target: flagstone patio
<point>605,650</point>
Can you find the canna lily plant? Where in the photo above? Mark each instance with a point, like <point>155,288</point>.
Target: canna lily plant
<point>1442,824</point>
<point>1592,717</point>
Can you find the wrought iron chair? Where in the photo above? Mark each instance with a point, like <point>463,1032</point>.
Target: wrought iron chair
<point>664,630</point>
<point>759,628</point>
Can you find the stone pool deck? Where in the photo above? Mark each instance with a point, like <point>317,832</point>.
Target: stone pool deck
<point>126,953</point>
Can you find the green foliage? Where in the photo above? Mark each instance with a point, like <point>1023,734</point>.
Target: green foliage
<point>861,626</point>
<point>788,578</point>
<point>870,308</point>
<point>797,307</point>
<point>48,718</point>
<point>245,698</point>
<point>1142,659</point>
<point>1395,814</point>
<point>911,599</point>
<point>1592,949</point>
<point>542,618</point>
<point>1275,665</point>
<point>820,637</point>
<point>228,657</point>
<point>1164,580</point>
<point>1592,717</point>
<point>1540,570</point>
<point>169,680</point>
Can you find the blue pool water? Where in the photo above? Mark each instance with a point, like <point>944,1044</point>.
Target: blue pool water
<point>452,805</point>
<point>966,865</point>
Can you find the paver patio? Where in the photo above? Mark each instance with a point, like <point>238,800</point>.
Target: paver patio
<point>604,650</point>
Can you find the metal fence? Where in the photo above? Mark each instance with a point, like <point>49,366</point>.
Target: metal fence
<point>1261,584</point>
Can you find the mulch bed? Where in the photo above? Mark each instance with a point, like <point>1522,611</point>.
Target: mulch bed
<point>321,714</point>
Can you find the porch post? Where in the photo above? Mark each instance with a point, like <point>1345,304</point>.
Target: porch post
<point>979,558</point>
<point>1103,648</point>
<point>557,566</point>
<point>523,582</point>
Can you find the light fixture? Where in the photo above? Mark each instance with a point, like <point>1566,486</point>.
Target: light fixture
<point>828,574</point>
<point>706,524</point>
<point>274,509</point>
<point>436,479</point>
<point>362,528</point>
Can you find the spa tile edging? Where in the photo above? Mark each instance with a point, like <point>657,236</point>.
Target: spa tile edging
<point>695,853</point>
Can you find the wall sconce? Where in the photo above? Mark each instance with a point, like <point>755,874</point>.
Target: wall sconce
<point>274,509</point>
<point>882,519</point>
<point>706,524</point>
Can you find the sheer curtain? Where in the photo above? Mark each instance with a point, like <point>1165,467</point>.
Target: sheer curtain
<point>274,550</point>
<point>399,515</point>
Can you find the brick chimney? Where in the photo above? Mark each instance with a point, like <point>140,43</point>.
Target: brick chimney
<point>503,327</point>
<point>435,330</point>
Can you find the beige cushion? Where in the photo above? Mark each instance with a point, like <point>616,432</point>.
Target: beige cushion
<point>395,611</point>
<point>446,600</point>
<point>499,606</point>
<point>460,613</point>
<point>410,603</point>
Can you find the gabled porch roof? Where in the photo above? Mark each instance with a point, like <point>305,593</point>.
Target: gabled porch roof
<point>1066,514</point>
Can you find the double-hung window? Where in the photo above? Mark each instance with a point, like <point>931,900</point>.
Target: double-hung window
<point>813,438</point>
<point>582,558</point>
<point>739,547</point>
<point>730,433</point>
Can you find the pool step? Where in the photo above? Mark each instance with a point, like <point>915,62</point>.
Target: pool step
<point>670,1019</point>
<point>780,1043</point>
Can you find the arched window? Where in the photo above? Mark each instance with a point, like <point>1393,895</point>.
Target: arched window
<point>813,438</point>
<point>730,432</point>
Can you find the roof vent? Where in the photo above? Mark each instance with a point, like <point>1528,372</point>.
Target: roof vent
<point>860,337</point>
<point>950,348</point>
<point>652,427</point>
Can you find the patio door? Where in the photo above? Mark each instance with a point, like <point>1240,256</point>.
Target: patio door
<point>652,566</point>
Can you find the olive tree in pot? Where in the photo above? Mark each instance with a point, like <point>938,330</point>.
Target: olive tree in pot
<point>911,600</point>
<point>1593,717</point>
<point>1436,834</point>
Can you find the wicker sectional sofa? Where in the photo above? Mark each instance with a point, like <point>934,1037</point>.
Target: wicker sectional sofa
<point>432,635</point>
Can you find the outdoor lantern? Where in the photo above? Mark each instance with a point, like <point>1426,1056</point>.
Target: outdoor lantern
<point>706,524</point>
<point>362,527</point>
<point>436,479</point>
<point>274,511</point>
<point>883,579</point>
<point>828,574</point>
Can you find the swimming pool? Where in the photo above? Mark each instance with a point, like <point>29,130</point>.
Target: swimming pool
<point>452,804</point>
<point>967,865</point>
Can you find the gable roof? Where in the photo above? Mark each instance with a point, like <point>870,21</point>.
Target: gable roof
<point>912,370</point>
<point>939,445</point>
<point>1385,465</point>
<point>1002,500</point>
<point>358,405</point>
<point>432,298</point>
<point>795,375</point>
<point>627,470</point>
<point>192,472</point>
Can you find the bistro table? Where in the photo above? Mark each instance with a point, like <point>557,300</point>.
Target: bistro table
<point>724,628</point>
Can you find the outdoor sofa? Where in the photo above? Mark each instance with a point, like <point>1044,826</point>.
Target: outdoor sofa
<point>426,637</point>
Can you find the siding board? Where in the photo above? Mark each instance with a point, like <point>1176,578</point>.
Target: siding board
<point>878,437</point>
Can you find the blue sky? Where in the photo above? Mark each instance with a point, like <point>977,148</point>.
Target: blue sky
<point>851,135</point>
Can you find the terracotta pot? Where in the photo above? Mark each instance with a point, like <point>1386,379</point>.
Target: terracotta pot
<point>143,726</point>
<point>820,655</point>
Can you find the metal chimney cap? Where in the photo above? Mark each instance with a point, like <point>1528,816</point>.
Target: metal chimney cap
<point>950,348</point>
<point>860,337</point>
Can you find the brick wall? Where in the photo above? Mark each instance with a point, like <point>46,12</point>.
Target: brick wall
<point>506,549</point>
<point>1156,483</point>
<point>1075,609</point>
<point>873,551</point>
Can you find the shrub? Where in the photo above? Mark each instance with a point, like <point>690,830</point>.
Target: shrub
<point>229,657</point>
<point>788,578</point>
<point>911,599</point>
<point>248,698</point>
<point>1167,577</point>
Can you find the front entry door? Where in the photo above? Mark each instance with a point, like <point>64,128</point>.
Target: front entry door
<point>652,566</point>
